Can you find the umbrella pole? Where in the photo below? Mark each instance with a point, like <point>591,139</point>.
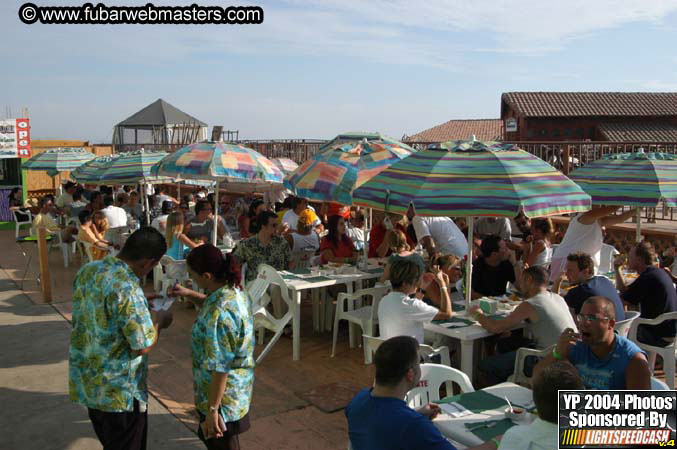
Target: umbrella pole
<point>468,264</point>
<point>178,195</point>
<point>216,213</point>
<point>145,201</point>
<point>638,235</point>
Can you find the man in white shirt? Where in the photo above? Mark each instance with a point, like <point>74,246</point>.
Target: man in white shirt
<point>291,217</point>
<point>117,217</point>
<point>66,198</point>
<point>162,197</point>
<point>498,226</point>
<point>439,235</point>
<point>543,433</point>
<point>401,315</point>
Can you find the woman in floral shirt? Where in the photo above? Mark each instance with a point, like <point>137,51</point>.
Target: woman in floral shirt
<point>222,347</point>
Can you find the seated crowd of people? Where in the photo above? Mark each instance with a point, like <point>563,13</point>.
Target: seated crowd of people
<point>579,326</point>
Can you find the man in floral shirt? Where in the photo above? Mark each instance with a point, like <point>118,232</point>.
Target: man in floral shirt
<point>264,248</point>
<point>112,334</point>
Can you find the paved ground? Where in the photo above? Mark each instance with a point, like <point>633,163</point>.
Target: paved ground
<point>36,412</point>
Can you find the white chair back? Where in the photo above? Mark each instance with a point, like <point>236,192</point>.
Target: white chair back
<point>622,327</point>
<point>658,385</point>
<point>668,353</point>
<point>87,248</point>
<point>262,318</point>
<point>518,375</point>
<point>19,222</point>
<point>606,258</point>
<point>432,377</point>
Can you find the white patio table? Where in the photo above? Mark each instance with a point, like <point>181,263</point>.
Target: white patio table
<point>467,335</point>
<point>454,427</point>
<point>297,283</point>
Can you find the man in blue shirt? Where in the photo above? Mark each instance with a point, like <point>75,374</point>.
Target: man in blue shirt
<point>580,270</point>
<point>605,360</point>
<point>378,418</point>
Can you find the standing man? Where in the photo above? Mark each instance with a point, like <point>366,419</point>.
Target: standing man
<point>265,247</point>
<point>112,333</point>
<point>438,235</point>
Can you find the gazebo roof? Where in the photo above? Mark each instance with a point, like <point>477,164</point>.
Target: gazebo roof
<point>158,114</point>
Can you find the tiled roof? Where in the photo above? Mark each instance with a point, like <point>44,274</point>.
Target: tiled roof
<point>638,132</point>
<point>483,129</point>
<point>590,104</point>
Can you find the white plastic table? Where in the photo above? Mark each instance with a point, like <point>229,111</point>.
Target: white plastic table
<point>454,427</point>
<point>467,335</point>
<point>304,282</point>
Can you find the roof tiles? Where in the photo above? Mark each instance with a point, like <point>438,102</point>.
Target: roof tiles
<point>483,129</point>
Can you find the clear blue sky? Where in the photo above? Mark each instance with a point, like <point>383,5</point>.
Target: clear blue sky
<point>314,69</point>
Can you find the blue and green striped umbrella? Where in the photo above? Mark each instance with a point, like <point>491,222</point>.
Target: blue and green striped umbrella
<point>344,164</point>
<point>473,178</point>
<point>63,159</point>
<point>120,168</point>
<point>633,179</point>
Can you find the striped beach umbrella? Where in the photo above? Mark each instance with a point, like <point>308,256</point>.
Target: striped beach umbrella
<point>55,160</point>
<point>121,168</point>
<point>473,178</point>
<point>343,165</point>
<point>241,168</point>
<point>633,179</point>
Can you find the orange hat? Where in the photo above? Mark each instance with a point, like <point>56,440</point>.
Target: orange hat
<point>336,209</point>
<point>308,217</point>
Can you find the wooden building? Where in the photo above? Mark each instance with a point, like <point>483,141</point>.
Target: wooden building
<point>594,116</point>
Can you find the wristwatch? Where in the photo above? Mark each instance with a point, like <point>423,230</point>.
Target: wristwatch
<point>213,409</point>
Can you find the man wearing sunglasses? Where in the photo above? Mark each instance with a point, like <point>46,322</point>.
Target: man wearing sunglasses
<point>605,360</point>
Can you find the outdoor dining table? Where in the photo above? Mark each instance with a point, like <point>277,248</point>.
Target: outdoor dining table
<point>467,331</point>
<point>485,405</point>
<point>307,279</point>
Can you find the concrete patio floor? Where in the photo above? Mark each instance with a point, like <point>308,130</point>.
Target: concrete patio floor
<point>280,417</point>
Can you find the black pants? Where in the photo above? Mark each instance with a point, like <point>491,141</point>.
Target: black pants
<point>121,431</point>
<point>230,439</point>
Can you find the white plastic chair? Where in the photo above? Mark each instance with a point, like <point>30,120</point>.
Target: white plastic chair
<point>372,343</point>
<point>667,353</point>
<point>365,316</point>
<point>622,327</point>
<point>606,258</point>
<point>658,385</point>
<point>18,222</point>
<point>87,249</point>
<point>518,376</point>
<point>57,241</point>
<point>263,319</point>
<point>432,377</point>
<point>171,271</point>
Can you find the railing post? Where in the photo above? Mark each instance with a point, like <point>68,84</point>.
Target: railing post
<point>566,158</point>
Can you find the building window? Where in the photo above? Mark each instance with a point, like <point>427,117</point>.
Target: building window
<point>555,132</point>
<point>567,132</point>
<point>530,133</point>
<point>543,132</point>
<point>591,132</point>
<point>579,133</point>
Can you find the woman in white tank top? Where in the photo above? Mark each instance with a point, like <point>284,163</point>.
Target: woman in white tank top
<point>538,252</point>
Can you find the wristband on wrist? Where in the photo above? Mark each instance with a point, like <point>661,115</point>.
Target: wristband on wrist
<point>556,355</point>
<point>496,442</point>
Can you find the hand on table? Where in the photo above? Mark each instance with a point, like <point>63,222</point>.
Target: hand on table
<point>431,410</point>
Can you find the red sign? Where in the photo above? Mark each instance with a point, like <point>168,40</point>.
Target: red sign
<point>23,138</point>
